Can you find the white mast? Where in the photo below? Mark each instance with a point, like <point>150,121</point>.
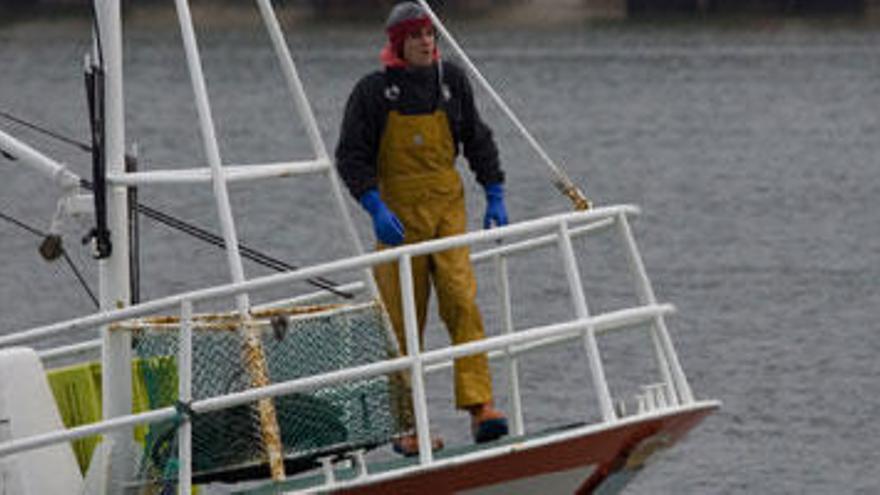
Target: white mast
<point>114,271</point>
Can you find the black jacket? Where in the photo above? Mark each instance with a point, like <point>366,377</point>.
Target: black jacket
<point>411,92</point>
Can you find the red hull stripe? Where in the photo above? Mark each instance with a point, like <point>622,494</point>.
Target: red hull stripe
<point>612,449</point>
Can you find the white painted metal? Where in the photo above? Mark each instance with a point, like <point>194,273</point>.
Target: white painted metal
<point>90,347</point>
<point>360,463</point>
<point>646,295</point>
<point>615,320</point>
<point>30,157</point>
<point>416,363</point>
<point>212,150</point>
<point>500,342</point>
<point>113,274</point>
<point>297,91</point>
<point>339,197</point>
<point>642,294</point>
<point>531,244</point>
<point>294,84</point>
<point>327,469</point>
<point>299,385</point>
<point>561,180</point>
<point>232,173</point>
<point>92,429</point>
<point>184,394</point>
<point>528,227</point>
<point>268,421</point>
<point>414,351</point>
<point>512,362</point>
<point>582,312</point>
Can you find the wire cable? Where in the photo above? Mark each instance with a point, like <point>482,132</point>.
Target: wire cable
<point>37,232</point>
<point>183,226</point>
<point>42,130</point>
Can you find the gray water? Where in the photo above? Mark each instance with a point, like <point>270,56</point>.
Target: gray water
<point>751,145</point>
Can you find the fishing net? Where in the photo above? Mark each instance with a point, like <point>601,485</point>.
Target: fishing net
<point>228,444</point>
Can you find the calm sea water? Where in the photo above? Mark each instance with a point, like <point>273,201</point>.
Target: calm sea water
<point>751,145</point>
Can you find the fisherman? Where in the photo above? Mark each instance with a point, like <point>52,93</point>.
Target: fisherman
<point>402,130</point>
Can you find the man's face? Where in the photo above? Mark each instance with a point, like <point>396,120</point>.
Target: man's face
<point>418,47</point>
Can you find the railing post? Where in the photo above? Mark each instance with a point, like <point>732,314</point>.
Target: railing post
<point>582,311</point>
<point>252,347</point>
<point>644,298</point>
<point>297,91</point>
<point>512,361</point>
<point>413,350</point>
<point>184,388</point>
<point>666,356</point>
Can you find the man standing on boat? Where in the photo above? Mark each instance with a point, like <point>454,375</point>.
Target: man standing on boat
<point>402,130</point>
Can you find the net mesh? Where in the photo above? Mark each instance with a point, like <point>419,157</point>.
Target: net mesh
<point>295,343</point>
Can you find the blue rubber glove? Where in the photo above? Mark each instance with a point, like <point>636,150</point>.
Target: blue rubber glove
<point>388,228</point>
<point>495,211</point>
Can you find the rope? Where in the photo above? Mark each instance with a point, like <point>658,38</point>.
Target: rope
<point>562,182</point>
<point>79,277</point>
<point>67,259</point>
<point>19,223</point>
<point>184,411</point>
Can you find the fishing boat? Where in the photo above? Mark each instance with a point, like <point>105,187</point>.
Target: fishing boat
<point>298,395</point>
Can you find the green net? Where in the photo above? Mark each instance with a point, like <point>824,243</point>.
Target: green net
<point>296,342</point>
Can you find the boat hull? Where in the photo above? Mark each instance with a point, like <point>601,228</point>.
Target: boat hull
<point>582,460</point>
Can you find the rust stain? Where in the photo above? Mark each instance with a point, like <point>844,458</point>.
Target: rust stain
<point>226,322</point>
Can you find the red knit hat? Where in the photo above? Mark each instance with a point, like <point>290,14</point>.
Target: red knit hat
<point>405,18</point>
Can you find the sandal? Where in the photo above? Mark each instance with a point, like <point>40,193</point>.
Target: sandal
<point>408,445</point>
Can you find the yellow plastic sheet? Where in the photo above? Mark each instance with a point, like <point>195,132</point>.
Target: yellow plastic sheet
<point>77,391</point>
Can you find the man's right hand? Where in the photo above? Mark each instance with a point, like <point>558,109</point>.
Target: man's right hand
<point>387,226</point>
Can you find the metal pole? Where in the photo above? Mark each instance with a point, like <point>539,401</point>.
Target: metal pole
<point>294,84</point>
<point>56,171</point>
<point>659,352</point>
<point>562,182</point>
<point>211,148</point>
<point>523,341</point>
<point>297,91</point>
<point>184,384</point>
<point>582,311</point>
<point>413,349</point>
<point>114,285</point>
<point>253,351</point>
<point>512,361</point>
<point>646,295</point>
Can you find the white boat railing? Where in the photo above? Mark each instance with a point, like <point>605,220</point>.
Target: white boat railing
<point>510,345</point>
<point>496,255</point>
<point>538,226</point>
<point>232,173</point>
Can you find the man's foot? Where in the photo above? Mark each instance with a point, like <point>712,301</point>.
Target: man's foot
<point>487,423</point>
<point>408,445</point>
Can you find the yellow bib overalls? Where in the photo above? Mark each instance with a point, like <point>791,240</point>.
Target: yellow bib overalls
<point>419,183</point>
